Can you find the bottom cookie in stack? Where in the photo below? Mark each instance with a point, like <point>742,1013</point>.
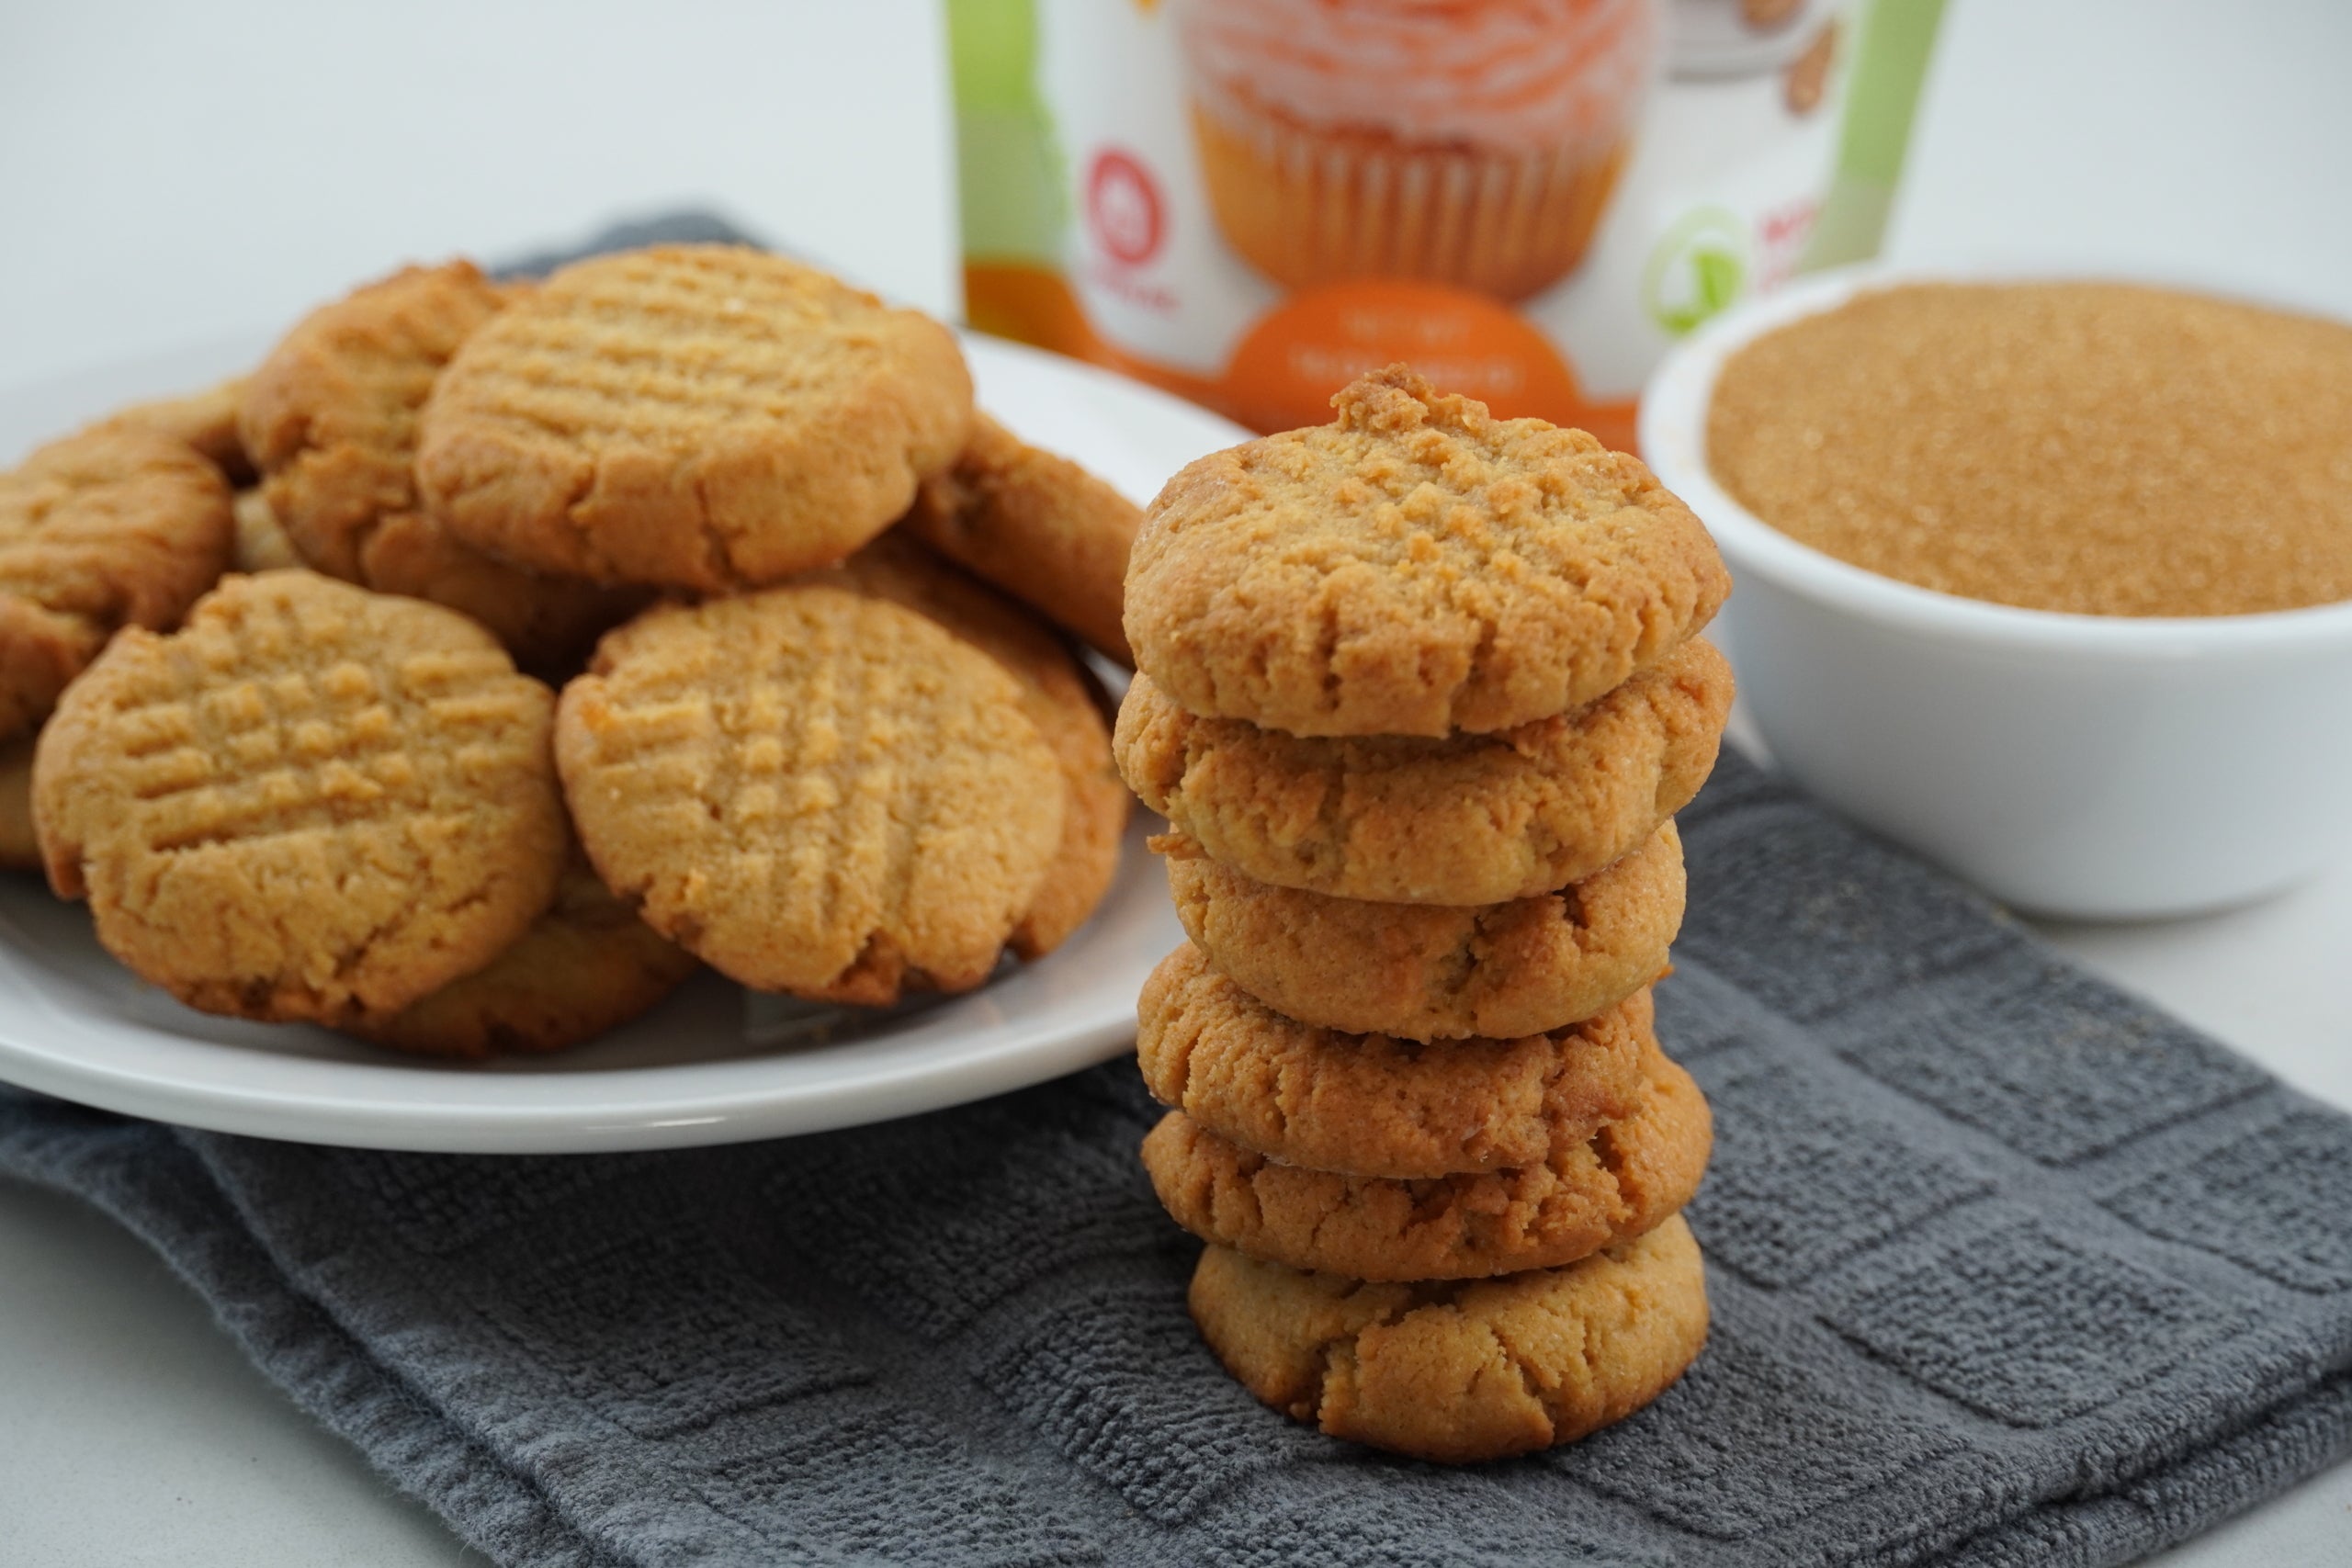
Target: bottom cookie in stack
<point>1461,1370</point>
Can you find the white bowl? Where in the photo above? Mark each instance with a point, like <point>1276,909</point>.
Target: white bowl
<point>2094,766</point>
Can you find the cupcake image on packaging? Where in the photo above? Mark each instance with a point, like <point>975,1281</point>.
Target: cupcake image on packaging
<point>1469,142</point>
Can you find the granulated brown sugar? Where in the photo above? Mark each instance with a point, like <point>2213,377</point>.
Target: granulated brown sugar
<point>2095,447</point>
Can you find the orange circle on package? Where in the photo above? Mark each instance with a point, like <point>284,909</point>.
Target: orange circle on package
<point>1318,340</point>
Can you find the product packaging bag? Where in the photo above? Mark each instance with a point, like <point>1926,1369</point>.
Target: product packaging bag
<point>1249,202</point>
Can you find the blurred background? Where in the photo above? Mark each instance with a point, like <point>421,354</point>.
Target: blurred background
<point>174,173</point>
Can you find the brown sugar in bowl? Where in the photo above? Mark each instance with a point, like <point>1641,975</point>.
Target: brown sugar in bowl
<point>2080,446</point>
<point>2098,765</point>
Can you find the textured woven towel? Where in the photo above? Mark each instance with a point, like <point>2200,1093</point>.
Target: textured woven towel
<point>2006,1268</point>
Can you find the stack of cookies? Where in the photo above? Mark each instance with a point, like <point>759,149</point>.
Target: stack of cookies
<point>574,644</point>
<point>1418,693</point>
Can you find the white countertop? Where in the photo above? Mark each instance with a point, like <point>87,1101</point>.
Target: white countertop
<point>175,174</point>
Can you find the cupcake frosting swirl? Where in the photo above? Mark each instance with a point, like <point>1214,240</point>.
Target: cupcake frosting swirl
<point>1517,75</point>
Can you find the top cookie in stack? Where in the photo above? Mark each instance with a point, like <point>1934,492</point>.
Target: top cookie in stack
<point>1413,568</point>
<point>1418,693</point>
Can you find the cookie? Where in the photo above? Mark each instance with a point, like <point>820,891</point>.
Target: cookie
<point>1371,1105</point>
<point>1060,698</point>
<point>1038,527</point>
<point>708,417</point>
<point>1456,1373</point>
<point>1628,1177</point>
<point>1414,567</point>
<point>813,790</point>
<point>311,802</point>
<point>1436,971</point>
<point>261,544</point>
<point>331,419</point>
<point>1471,819</point>
<point>586,965</point>
<point>112,527</point>
<point>19,849</point>
<point>205,421</point>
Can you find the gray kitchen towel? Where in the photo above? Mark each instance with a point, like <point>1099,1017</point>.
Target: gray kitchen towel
<point>2007,1269</point>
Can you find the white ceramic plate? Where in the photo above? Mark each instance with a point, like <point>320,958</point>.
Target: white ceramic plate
<point>715,1064</point>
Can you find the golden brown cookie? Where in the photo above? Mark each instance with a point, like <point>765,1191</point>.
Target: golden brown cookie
<point>1625,1179</point>
<point>1470,819</point>
<point>331,418</point>
<point>262,544</point>
<point>1436,971</point>
<point>205,421</point>
<point>701,416</point>
<point>311,802</point>
<point>1038,527</point>
<point>816,791</point>
<point>19,848</point>
<point>1456,1372</point>
<point>1414,567</point>
<point>586,965</point>
<point>112,527</point>
<point>1371,1105</point>
<point>1060,698</point>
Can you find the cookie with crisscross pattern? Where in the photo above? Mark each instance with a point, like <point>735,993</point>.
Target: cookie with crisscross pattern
<point>311,802</point>
<point>1060,698</point>
<point>814,790</point>
<point>702,416</point>
<point>112,527</point>
<point>331,418</point>
<point>1415,567</point>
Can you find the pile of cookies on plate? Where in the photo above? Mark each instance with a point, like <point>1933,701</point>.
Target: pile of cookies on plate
<point>1419,693</point>
<point>680,608</point>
